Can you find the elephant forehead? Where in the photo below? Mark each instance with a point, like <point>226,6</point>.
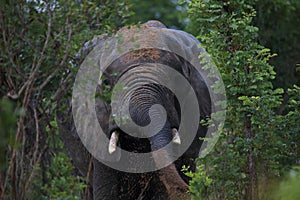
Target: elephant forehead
<point>137,58</point>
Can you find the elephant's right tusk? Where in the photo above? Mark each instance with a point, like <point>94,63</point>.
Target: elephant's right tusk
<point>113,142</point>
<point>176,137</point>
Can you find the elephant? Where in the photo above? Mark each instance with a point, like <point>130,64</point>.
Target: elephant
<point>167,182</point>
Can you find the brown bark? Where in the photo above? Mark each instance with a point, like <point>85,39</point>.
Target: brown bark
<point>251,190</point>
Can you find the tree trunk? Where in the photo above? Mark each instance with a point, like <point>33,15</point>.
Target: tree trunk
<point>251,190</point>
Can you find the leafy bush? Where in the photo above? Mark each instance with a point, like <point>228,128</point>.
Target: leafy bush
<point>63,184</point>
<point>39,43</point>
<point>255,141</point>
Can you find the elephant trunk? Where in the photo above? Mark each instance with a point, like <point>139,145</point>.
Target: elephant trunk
<point>144,110</point>
<point>177,189</point>
<point>162,152</point>
<point>175,186</point>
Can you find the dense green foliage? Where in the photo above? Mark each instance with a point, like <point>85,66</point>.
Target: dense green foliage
<point>7,129</point>
<point>278,22</point>
<point>39,41</point>
<point>256,142</point>
<point>168,12</point>
<point>57,179</point>
<point>62,183</point>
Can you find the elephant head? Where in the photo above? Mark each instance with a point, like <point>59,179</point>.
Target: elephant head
<point>144,116</point>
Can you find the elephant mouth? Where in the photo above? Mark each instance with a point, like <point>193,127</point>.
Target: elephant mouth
<point>175,185</point>
<point>114,139</point>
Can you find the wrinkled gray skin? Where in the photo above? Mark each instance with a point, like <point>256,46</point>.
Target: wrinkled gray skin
<point>167,183</point>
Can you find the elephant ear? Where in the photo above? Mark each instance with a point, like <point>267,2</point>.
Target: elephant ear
<point>89,46</point>
<point>72,143</point>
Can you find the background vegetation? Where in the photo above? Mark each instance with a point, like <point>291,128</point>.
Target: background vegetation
<point>258,152</point>
<point>259,141</point>
<point>39,41</point>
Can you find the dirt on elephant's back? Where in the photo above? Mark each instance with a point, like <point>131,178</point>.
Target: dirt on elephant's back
<point>153,54</point>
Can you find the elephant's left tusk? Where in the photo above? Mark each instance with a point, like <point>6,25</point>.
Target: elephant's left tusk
<point>176,137</point>
<point>113,142</point>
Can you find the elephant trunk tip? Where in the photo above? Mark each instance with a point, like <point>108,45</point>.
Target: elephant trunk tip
<point>175,185</point>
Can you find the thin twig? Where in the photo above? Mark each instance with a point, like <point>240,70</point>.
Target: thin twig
<point>37,129</point>
<point>63,61</point>
<point>62,86</point>
<point>28,182</point>
<point>2,188</point>
<point>13,162</point>
<point>42,55</point>
<point>22,168</point>
<point>88,174</point>
<point>36,67</point>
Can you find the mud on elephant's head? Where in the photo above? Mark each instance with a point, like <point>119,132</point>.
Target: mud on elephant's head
<point>144,117</point>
